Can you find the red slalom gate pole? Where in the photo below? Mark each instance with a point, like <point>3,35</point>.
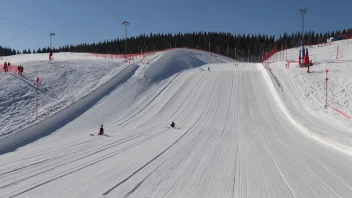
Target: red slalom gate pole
<point>326,94</point>
<point>37,105</point>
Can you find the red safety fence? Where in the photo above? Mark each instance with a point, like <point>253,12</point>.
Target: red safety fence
<point>124,56</point>
<point>117,56</point>
<point>340,112</point>
<point>267,55</point>
<point>11,68</point>
<point>207,52</point>
<point>335,53</point>
<point>141,55</point>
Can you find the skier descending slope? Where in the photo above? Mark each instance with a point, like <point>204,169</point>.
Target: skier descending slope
<point>101,132</point>
<point>5,68</point>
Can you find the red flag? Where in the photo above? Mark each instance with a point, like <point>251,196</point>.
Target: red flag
<point>38,79</point>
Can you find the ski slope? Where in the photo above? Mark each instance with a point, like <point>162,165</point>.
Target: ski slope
<point>233,138</point>
<point>62,82</point>
<point>304,94</point>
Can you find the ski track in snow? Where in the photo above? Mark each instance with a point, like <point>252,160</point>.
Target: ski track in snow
<point>231,140</point>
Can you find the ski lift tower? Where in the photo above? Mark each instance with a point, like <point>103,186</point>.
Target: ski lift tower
<point>125,23</point>
<point>303,12</point>
<point>51,47</point>
<point>51,41</point>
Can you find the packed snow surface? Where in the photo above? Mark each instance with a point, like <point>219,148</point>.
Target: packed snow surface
<point>233,138</point>
<point>62,82</point>
<point>305,93</point>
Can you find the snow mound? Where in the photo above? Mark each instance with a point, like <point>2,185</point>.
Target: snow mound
<point>66,115</point>
<point>72,77</point>
<point>62,82</point>
<point>304,93</point>
<point>171,63</point>
<point>310,89</point>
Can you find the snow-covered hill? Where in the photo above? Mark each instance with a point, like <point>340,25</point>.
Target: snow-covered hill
<point>74,75</point>
<point>337,58</point>
<point>62,82</point>
<point>233,138</point>
<point>304,94</point>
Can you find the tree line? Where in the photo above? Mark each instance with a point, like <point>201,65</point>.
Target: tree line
<point>310,38</point>
<point>243,47</point>
<point>5,51</point>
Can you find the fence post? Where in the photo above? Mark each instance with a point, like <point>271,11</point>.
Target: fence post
<point>37,102</point>
<point>326,94</point>
<point>286,52</point>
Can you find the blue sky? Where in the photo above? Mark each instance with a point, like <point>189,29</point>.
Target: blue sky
<point>79,21</point>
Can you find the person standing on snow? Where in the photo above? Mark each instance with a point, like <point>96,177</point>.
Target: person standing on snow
<point>101,132</point>
<point>208,69</point>
<point>5,67</point>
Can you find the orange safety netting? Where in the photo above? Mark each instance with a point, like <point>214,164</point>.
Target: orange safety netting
<point>141,55</point>
<point>11,68</point>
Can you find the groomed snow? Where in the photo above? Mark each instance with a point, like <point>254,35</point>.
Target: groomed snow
<point>63,81</point>
<point>304,94</point>
<point>233,138</point>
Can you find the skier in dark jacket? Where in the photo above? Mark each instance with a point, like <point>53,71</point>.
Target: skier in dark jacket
<point>5,67</point>
<point>172,124</point>
<point>101,132</point>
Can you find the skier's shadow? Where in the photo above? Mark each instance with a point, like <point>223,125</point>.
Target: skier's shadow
<point>173,127</point>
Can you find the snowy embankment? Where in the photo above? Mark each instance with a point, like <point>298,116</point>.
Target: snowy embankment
<point>304,94</point>
<point>78,84</point>
<point>62,82</point>
<point>61,118</point>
